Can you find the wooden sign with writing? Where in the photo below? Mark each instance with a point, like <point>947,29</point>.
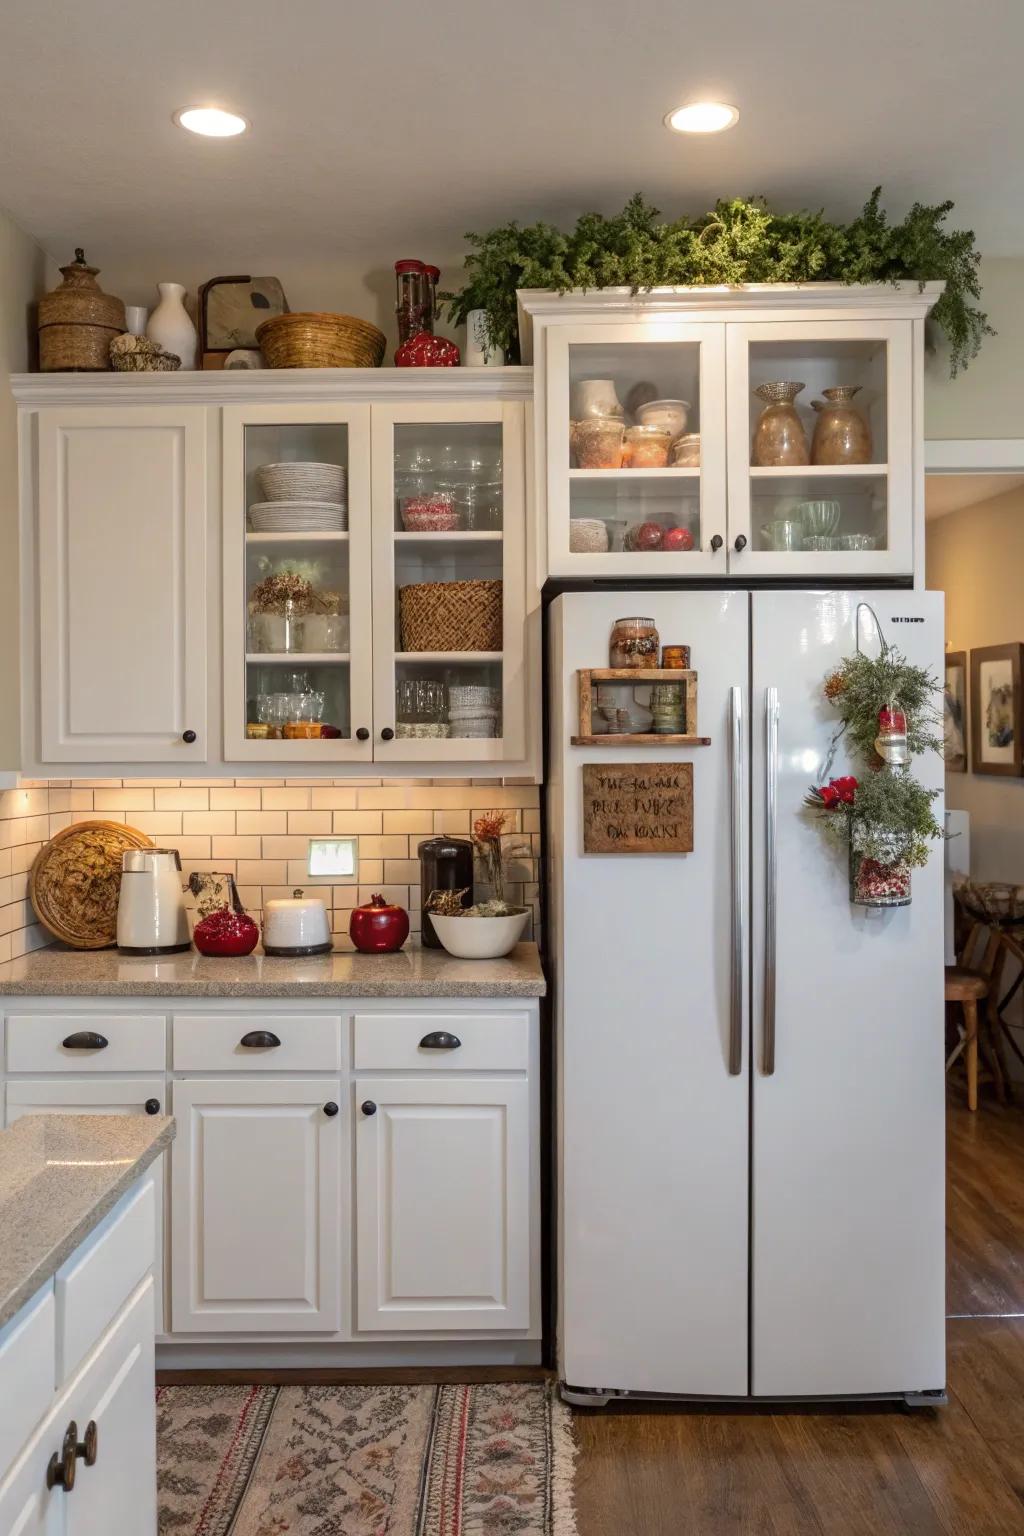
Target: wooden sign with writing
<point>638,807</point>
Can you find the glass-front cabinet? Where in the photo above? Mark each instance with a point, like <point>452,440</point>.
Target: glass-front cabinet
<point>771,432</point>
<point>374,582</point>
<point>636,449</point>
<point>820,448</point>
<point>448,592</point>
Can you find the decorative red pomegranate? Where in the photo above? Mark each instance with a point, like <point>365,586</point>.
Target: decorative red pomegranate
<point>426,351</point>
<point>226,933</point>
<point>378,928</point>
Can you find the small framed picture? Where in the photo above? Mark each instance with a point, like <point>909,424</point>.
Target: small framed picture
<point>996,726</point>
<point>954,712</point>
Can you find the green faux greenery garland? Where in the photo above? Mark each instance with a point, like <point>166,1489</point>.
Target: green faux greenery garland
<point>737,242</point>
<point>892,811</point>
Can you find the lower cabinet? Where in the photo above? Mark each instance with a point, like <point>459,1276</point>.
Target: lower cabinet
<point>114,1391</point>
<point>442,1203</point>
<point>256,1205</point>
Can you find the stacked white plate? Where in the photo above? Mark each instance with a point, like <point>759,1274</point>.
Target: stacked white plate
<point>298,517</point>
<point>301,498</point>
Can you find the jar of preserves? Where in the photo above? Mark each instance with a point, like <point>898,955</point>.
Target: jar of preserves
<point>597,442</point>
<point>634,644</point>
<point>647,447</point>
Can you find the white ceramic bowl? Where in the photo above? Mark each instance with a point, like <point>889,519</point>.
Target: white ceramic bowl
<point>479,938</point>
<point>670,415</point>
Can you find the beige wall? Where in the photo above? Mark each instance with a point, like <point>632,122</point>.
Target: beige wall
<point>22,280</point>
<point>987,400</point>
<point>976,556</point>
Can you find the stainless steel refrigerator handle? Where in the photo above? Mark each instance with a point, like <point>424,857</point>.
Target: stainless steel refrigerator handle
<point>736,855</point>
<point>771,818</point>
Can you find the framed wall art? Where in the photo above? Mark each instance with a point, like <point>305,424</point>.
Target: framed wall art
<point>996,725</point>
<point>954,712</point>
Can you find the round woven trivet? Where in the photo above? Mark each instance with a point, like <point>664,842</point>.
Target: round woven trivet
<point>75,881</point>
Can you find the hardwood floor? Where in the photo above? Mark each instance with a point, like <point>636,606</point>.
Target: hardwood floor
<point>955,1471</point>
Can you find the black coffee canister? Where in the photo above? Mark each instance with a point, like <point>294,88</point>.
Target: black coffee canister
<point>446,864</point>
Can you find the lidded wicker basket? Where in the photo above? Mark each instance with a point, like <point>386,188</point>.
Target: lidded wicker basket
<point>451,616</point>
<point>78,321</point>
<point>320,341</point>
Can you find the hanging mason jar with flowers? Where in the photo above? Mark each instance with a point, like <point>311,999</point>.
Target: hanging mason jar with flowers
<point>884,819</point>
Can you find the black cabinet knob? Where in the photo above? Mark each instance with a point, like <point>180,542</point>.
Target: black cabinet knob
<point>61,1471</point>
<point>152,1106</point>
<point>88,1448</point>
<point>331,1109</point>
<point>368,1107</point>
<point>740,541</point>
<point>716,543</point>
<point>188,737</point>
<point>362,734</point>
<point>387,734</point>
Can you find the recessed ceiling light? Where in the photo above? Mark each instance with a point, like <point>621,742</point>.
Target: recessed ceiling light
<point>212,122</point>
<point>703,117</point>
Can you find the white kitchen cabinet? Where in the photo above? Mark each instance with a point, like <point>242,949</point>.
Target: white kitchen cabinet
<point>442,1203</point>
<point>27,1506</point>
<point>256,1205</point>
<point>713,347</point>
<point>122,585</point>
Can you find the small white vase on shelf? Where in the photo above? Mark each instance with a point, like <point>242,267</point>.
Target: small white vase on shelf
<point>135,316</point>
<point>169,324</point>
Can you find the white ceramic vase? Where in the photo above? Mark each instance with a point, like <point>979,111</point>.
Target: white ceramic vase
<point>479,353</point>
<point>169,324</point>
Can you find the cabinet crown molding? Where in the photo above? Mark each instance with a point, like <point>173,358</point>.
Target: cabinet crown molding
<point>272,386</point>
<point>747,301</point>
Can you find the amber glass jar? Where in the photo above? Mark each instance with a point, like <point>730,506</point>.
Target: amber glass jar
<point>779,437</point>
<point>634,643</point>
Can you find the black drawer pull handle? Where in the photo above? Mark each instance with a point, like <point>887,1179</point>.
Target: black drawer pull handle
<point>440,1040</point>
<point>259,1037</point>
<point>85,1040</point>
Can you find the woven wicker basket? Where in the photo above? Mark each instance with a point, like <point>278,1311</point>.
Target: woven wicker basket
<point>77,322</point>
<point>320,341</point>
<point>451,616</point>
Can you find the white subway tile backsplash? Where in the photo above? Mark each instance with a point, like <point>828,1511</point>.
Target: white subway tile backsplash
<point>259,831</point>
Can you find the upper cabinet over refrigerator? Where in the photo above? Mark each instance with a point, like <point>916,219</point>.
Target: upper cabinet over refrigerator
<point>771,431</point>
<point>636,450</point>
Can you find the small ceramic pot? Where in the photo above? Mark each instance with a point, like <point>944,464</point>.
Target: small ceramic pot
<point>596,397</point>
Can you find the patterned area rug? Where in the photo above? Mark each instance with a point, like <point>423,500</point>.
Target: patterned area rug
<point>492,1460</point>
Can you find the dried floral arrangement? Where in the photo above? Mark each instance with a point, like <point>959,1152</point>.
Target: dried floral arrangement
<point>488,832</point>
<point>737,242</point>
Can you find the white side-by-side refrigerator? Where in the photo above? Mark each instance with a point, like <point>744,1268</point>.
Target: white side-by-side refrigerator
<point>749,1073</point>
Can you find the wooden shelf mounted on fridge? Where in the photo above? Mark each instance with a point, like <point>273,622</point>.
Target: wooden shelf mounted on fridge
<point>638,677</point>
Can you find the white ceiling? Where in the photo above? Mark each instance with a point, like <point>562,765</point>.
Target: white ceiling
<point>948,493</point>
<point>382,130</point>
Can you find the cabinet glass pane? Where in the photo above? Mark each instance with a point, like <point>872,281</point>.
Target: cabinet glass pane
<point>632,445</point>
<point>448,533</point>
<point>297,581</point>
<point>818,446</point>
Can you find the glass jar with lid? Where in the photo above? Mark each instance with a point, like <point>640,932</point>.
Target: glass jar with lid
<point>414,304</point>
<point>634,643</point>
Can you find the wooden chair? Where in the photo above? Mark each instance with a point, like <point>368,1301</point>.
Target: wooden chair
<point>968,989</point>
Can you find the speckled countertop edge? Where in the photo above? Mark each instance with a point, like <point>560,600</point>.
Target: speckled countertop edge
<point>44,1219</point>
<point>412,972</point>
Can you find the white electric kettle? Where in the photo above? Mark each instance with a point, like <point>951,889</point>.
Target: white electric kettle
<point>151,916</point>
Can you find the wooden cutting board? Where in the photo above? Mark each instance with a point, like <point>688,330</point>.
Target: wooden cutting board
<point>75,881</point>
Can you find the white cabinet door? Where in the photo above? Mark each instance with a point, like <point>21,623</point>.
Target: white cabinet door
<point>255,1205</point>
<point>27,1506</point>
<point>122,584</point>
<point>443,1202</point>
<point>115,1392</point>
<point>590,508</point>
<point>464,464</point>
<point>327,635</point>
<point>824,520</point>
<point>99,1096</point>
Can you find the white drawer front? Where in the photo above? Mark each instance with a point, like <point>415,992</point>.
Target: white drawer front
<point>27,1372</point>
<point>135,1042</point>
<point>487,1042</point>
<point>99,1277</point>
<point>213,1042</point>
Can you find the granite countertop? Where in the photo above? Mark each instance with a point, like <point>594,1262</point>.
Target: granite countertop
<point>59,1176</point>
<point>412,972</point>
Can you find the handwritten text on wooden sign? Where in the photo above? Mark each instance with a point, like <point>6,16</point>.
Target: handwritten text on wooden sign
<point>638,807</point>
